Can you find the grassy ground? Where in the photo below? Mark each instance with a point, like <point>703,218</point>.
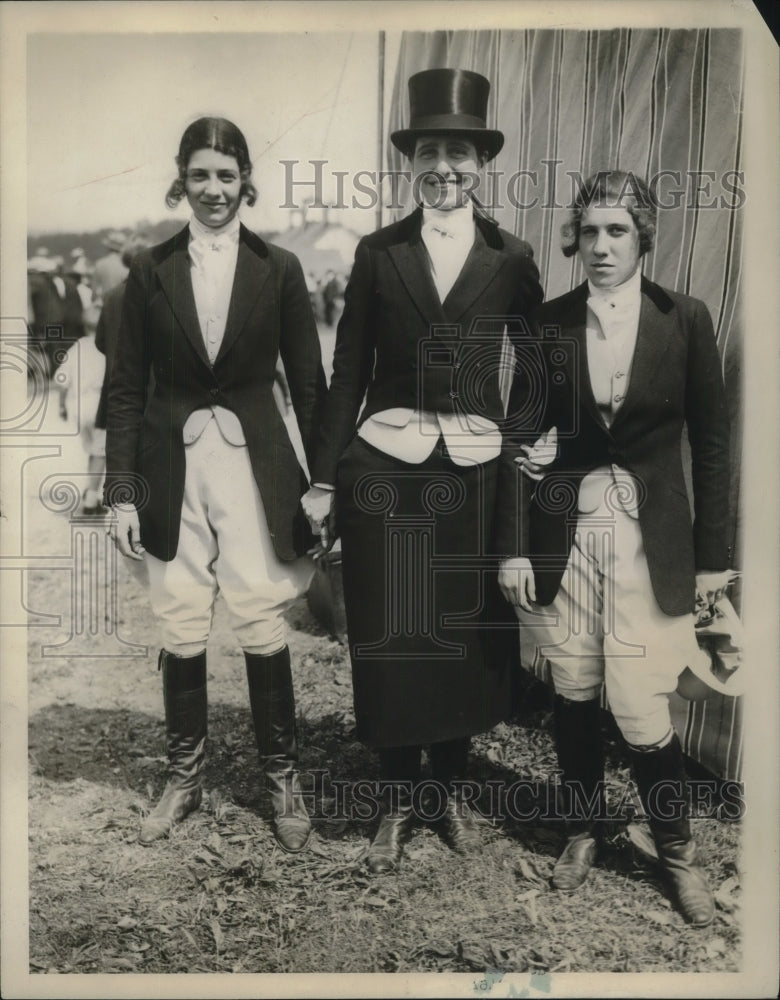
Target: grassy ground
<point>219,896</point>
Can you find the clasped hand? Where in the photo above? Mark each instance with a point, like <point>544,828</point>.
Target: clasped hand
<point>320,509</point>
<point>711,586</point>
<point>516,580</point>
<point>539,455</point>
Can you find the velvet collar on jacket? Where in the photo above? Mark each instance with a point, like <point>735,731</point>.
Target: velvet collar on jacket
<point>655,331</point>
<point>410,258</point>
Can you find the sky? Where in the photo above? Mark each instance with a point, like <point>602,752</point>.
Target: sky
<point>105,113</point>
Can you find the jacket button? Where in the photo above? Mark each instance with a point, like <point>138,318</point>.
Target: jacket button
<point>453,395</point>
<point>214,392</point>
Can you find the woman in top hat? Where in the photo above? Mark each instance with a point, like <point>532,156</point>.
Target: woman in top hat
<point>606,544</point>
<point>201,473</point>
<point>415,479</point>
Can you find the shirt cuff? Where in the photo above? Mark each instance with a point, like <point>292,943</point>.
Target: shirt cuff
<point>325,486</point>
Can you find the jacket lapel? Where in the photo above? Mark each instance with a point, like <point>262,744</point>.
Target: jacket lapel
<point>652,341</point>
<point>572,325</point>
<point>481,266</point>
<point>411,261</point>
<point>252,272</point>
<point>176,282</point>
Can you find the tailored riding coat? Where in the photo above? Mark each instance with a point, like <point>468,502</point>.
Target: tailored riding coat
<point>269,316</point>
<point>675,382</point>
<point>420,580</point>
<point>408,349</point>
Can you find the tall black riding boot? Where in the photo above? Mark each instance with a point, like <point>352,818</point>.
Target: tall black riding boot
<point>184,694</point>
<point>272,700</point>
<point>399,772</point>
<point>449,763</point>
<point>581,759</point>
<point>660,777</point>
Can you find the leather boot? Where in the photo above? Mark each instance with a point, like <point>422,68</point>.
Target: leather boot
<point>660,777</point>
<point>273,713</point>
<point>449,762</point>
<point>581,759</point>
<point>399,773</point>
<point>395,829</point>
<point>184,694</point>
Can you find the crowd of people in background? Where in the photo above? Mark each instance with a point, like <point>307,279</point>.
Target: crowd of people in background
<point>74,309</point>
<point>326,294</point>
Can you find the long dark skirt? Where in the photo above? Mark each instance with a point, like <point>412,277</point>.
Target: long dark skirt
<point>420,591</point>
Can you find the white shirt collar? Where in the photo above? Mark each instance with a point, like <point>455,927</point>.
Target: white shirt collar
<point>205,235</point>
<point>458,222</point>
<point>621,295</point>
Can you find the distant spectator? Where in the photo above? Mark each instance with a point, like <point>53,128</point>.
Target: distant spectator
<point>332,291</point>
<point>110,270</point>
<point>78,382</point>
<point>78,261</point>
<point>80,272</point>
<point>55,312</point>
<point>312,287</point>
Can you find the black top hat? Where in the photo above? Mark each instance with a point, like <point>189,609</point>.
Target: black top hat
<point>449,100</point>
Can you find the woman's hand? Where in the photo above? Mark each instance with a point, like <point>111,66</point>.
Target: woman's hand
<point>125,531</point>
<point>539,455</point>
<point>711,586</point>
<point>320,508</point>
<point>516,580</point>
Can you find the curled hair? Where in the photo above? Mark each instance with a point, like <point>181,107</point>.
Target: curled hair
<point>223,136</point>
<point>612,189</point>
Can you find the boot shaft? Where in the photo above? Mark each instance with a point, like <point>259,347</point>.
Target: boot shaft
<point>186,710</point>
<point>272,701</point>
<point>661,780</point>
<point>580,752</point>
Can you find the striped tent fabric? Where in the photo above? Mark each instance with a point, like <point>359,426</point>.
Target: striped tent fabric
<point>665,103</point>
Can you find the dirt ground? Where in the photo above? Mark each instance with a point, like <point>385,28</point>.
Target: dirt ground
<point>219,896</point>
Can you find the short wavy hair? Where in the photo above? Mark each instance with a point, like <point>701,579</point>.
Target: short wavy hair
<point>613,188</point>
<point>223,136</point>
